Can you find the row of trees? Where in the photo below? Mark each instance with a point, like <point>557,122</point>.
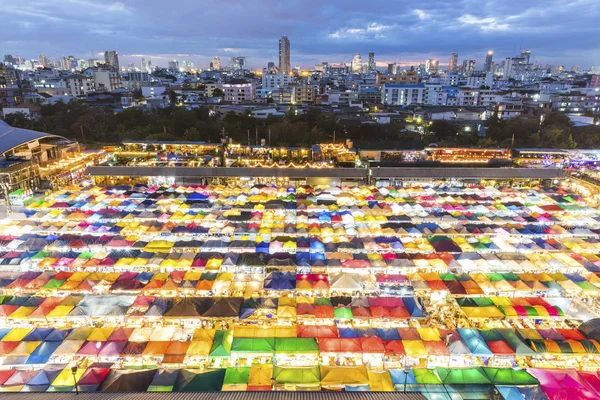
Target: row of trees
<point>103,126</point>
<point>554,130</point>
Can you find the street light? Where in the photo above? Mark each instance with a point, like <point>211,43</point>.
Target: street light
<point>74,372</point>
<point>5,189</point>
<point>406,372</point>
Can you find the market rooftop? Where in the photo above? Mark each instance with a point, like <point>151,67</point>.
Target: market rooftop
<point>437,288</point>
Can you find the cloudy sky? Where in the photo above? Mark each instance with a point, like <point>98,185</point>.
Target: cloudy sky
<point>557,31</point>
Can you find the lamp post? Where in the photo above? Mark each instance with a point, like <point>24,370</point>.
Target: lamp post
<point>74,372</point>
<point>6,190</point>
<point>406,372</point>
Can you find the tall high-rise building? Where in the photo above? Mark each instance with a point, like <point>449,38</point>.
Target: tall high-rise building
<point>285,65</point>
<point>372,66</point>
<point>526,56</point>
<point>174,65</point>
<point>216,63</point>
<point>392,68</point>
<point>111,58</point>
<point>9,59</point>
<point>65,64</point>
<point>432,66</point>
<point>487,66</point>
<point>238,63</point>
<point>43,60</point>
<point>453,64</point>
<point>356,63</point>
<point>468,66</point>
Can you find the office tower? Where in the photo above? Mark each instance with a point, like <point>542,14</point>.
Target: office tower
<point>392,69</point>
<point>432,66</point>
<point>111,58</point>
<point>9,59</point>
<point>43,60</point>
<point>285,65</point>
<point>216,63</point>
<point>526,56</point>
<point>238,63</point>
<point>453,64</point>
<point>356,63</point>
<point>270,65</point>
<point>372,65</point>
<point>468,66</point>
<point>174,65</point>
<point>487,66</point>
<point>64,64</point>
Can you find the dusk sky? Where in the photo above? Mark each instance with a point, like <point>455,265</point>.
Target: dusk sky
<point>558,32</point>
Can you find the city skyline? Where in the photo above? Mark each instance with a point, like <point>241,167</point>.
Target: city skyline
<point>409,34</point>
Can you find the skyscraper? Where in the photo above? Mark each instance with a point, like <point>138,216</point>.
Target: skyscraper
<point>432,66</point>
<point>216,63</point>
<point>453,64</point>
<point>392,69</point>
<point>356,63</point>
<point>238,63</point>
<point>285,65</point>
<point>526,56</point>
<point>111,58</point>
<point>174,65</point>
<point>372,65</point>
<point>43,60</point>
<point>468,66</point>
<point>487,66</point>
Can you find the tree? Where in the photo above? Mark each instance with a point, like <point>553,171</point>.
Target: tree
<point>442,130</point>
<point>587,137</point>
<point>192,134</point>
<point>218,93</point>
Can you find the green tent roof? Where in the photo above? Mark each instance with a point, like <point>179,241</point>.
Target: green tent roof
<point>297,375</point>
<point>253,345</point>
<point>463,376</point>
<point>296,345</point>
<point>236,375</point>
<point>221,346</point>
<point>509,376</point>
<point>342,313</point>
<point>426,377</point>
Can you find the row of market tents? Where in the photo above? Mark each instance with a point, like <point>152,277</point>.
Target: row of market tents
<point>101,377</point>
<point>319,242</point>
<point>511,383</point>
<point>139,259</point>
<point>208,281</point>
<point>176,345</point>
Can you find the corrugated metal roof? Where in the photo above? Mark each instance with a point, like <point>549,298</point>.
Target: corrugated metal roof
<point>188,172</point>
<point>348,173</point>
<point>469,173</point>
<point>12,137</point>
<point>280,395</point>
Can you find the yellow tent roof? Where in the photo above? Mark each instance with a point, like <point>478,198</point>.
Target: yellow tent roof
<point>429,334</point>
<point>22,312</point>
<point>65,378</point>
<point>415,348</point>
<point>16,334</point>
<point>380,381</point>
<point>260,375</point>
<point>100,334</point>
<point>337,376</point>
<point>199,348</point>
<point>60,312</point>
